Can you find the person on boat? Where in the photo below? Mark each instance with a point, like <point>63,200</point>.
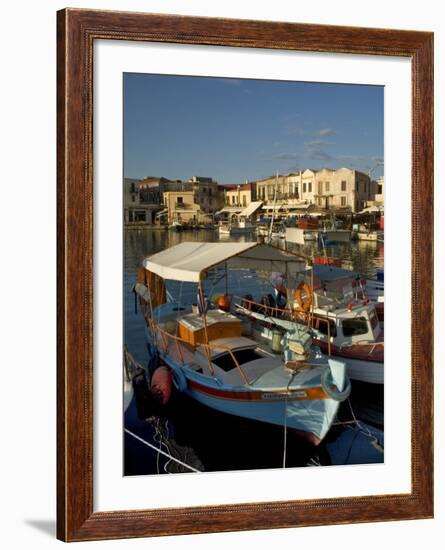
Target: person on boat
<point>280,292</point>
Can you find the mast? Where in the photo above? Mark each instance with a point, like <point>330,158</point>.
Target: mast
<point>273,211</point>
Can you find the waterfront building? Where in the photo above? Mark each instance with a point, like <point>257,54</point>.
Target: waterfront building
<point>207,193</point>
<point>144,199</point>
<point>184,207</point>
<point>239,195</point>
<point>152,188</point>
<point>341,189</point>
<point>135,209</point>
<point>379,196</point>
<point>325,188</point>
<point>268,187</point>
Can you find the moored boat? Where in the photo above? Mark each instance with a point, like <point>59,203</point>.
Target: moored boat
<point>236,227</point>
<point>344,324</point>
<point>371,236</point>
<point>214,357</point>
<point>366,288</point>
<point>330,236</point>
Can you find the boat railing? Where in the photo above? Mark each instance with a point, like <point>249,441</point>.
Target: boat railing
<point>274,310</point>
<point>297,315</point>
<point>165,336</point>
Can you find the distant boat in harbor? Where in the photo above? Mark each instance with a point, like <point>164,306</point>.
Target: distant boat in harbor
<point>177,226</point>
<point>239,226</point>
<point>372,236</point>
<point>330,236</point>
<point>240,223</point>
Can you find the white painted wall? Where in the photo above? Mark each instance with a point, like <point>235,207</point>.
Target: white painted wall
<point>28,336</point>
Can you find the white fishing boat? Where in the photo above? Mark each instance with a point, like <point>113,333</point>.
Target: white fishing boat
<point>240,223</point>
<point>273,376</point>
<point>262,230</point>
<point>350,333</point>
<point>332,231</point>
<point>371,236</point>
<point>238,226</point>
<point>366,288</point>
<point>299,236</point>
<point>278,231</point>
<point>309,235</point>
<point>344,324</point>
<point>335,236</point>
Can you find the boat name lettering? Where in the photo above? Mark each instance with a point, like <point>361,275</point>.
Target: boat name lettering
<point>284,395</point>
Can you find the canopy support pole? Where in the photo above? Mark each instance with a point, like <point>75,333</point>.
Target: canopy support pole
<point>204,317</point>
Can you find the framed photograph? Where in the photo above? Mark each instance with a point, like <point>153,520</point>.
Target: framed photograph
<point>227,190</point>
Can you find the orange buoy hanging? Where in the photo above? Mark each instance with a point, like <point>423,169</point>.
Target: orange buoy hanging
<point>305,304</point>
<point>224,302</point>
<point>161,383</point>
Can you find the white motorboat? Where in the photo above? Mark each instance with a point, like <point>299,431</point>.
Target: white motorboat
<point>238,226</point>
<point>344,324</point>
<point>335,236</point>
<point>371,236</point>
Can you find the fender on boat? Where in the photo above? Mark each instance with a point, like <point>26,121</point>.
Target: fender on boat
<point>179,379</point>
<point>161,383</point>
<point>335,394</point>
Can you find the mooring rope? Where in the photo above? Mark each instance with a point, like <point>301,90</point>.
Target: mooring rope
<point>291,379</point>
<point>160,451</point>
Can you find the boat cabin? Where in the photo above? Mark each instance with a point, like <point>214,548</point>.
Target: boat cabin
<point>351,325</point>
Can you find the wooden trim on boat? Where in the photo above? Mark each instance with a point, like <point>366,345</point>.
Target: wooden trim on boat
<point>310,394</point>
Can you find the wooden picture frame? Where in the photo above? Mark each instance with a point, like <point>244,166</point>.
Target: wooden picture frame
<point>77,31</point>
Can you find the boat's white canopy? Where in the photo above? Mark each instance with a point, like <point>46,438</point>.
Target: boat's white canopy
<point>187,261</point>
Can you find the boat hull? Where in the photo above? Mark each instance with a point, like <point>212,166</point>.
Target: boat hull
<point>236,230</point>
<point>311,421</point>
<point>307,411</point>
<point>336,236</point>
<point>364,371</point>
<point>359,369</point>
<point>312,236</point>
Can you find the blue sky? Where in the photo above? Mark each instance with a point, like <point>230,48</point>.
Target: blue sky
<point>236,130</point>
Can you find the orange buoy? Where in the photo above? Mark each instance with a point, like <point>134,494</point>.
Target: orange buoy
<point>161,383</point>
<point>305,304</point>
<point>224,302</point>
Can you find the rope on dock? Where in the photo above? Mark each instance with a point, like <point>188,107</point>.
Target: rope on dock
<point>160,451</point>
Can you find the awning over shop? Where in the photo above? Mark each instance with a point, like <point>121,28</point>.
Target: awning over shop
<point>229,210</point>
<point>372,210</point>
<point>253,207</point>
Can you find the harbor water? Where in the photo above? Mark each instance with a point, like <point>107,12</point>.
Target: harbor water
<point>211,441</point>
